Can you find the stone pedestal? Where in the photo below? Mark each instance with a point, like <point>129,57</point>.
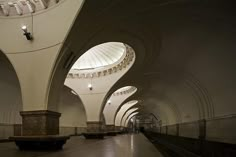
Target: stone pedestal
<point>118,129</point>
<point>95,130</point>
<point>110,129</point>
<point>50,142</point>
<point>40,123</point>
<point>40,130</point>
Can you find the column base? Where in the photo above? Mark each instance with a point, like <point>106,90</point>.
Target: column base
<point>118,129</point>
<point>40,142</point>
<point>94,135</point>
<point>110,129</point>
<point>111,133</point>
<point>94,130</point>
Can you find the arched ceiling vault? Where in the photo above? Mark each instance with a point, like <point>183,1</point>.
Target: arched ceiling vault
<point>191,44</point>
<point>100,56</point>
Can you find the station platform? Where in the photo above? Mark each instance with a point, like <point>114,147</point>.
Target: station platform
<point>128,145</point>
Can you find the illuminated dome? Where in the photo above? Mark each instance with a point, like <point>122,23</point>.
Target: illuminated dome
<point>130,103</point>
<point>101,56</point>
<point>124,89</point>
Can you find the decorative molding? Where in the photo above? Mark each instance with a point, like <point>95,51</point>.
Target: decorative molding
<point>130,90</point>
<point>129,57</point>
<point>21,7</point>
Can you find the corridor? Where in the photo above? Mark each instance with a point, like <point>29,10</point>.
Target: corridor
<point>135,145</point>
<point>107,68</point>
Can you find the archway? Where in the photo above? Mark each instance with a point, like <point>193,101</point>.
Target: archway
<point>73,115</point>
<point>95,73</point>
<point>11,99</point>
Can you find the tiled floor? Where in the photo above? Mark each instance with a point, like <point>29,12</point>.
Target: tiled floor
<point>119,146</point>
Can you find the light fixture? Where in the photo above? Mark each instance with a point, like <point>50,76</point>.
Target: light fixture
<point>26,33</point>
<point>109,102</point>
<point>90,86</point>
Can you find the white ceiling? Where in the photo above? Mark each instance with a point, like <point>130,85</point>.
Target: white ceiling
<point>100,56</point>
<point>123,89</point>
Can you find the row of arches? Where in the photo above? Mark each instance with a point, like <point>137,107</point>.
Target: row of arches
<point>70,104</point>
<point>189,71</point>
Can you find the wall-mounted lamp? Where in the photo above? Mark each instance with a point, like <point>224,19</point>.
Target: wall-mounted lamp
<point>26,33</point>
<point>109,102</point>
<point>90,86</point>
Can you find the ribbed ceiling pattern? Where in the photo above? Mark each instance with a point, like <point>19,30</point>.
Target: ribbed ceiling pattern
<point>100,56</point>
<point>123,89</point>
<point>130,104</point>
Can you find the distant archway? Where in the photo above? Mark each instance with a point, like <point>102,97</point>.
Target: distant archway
<point>10,91</point>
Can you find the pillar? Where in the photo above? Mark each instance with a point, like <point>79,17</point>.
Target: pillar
<point>111,131</point>
<point>40,130</point>
<point>94,127</point>
<point>95,130</point>
<point>40,123</point>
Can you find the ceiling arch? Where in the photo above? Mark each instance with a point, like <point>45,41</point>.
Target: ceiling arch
<point>100,56</point>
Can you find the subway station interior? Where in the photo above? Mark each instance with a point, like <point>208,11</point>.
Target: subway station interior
<point>117,78</point>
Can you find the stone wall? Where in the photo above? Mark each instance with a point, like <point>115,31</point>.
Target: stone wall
<point>172,130</point>
<point>190,129</point>
<point>6,130</point>
<point>221,129</point>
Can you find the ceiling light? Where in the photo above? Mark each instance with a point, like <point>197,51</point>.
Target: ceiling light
<point>26,33</point>
<point>24,28</point>
<point>90,86</point>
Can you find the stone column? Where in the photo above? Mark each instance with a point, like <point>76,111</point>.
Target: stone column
<point>40,130</point>
<point>95,130</point>
<point>40,123</point>
<point>94,127</point>
<point>110,129</point>
<point>118,129</point>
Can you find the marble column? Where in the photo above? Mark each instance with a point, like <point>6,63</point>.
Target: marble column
<point>40,130</point>
<point>95,130</point>
<point>40,123</point>
<point>110,128</point>
<point>111,131</point>
<point>94,127</point>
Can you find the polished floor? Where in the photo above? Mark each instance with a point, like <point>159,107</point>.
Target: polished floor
<point>132,145</point>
